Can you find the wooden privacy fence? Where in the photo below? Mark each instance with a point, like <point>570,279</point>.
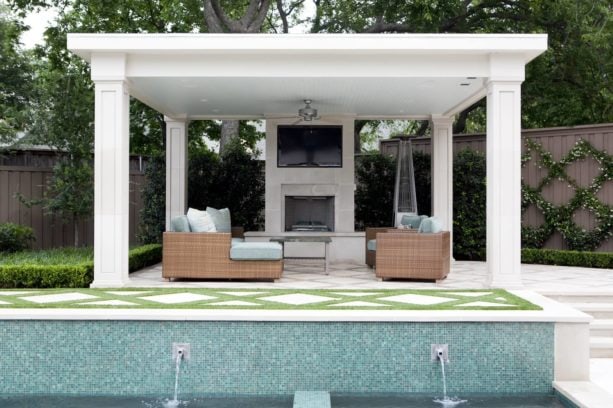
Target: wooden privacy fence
<point>50,231</point>
<point>558,142</point>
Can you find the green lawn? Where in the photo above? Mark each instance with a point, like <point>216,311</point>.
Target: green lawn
<point>58,256</point>
<point>267,299</point>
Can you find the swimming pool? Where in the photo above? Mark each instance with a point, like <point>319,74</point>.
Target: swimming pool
<point>338,401</point>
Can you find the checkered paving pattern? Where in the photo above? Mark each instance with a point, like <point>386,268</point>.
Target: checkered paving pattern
<point>206,298</point>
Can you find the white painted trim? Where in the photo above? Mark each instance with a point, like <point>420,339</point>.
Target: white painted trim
<point>530,45</point>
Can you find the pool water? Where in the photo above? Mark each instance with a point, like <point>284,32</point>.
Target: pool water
<point>338,401</point>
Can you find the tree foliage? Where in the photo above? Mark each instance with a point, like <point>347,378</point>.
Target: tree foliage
<point>16,73</point>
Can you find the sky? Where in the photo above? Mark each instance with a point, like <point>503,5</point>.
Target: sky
<point>37,22</point>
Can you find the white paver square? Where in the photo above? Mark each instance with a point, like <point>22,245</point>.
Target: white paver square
<point>484,304</point>
<point>417,299</point>
<point>359,304</point>
<point>243,293</point>
<point>355,293</point>
<point>15,292</point>
<point>297,299</point>
<point>58,297</point>
<point>128,292</point>
<point>175,298</point>
<point>2,302</point>
<point>111,302</point>
<point>234,303</point>
<point>470,294</point>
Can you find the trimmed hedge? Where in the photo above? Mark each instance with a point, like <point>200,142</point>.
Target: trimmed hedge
<point>144,256</point>
<point>46,276</point>
<point>70,276</point>
<point>567,258</point>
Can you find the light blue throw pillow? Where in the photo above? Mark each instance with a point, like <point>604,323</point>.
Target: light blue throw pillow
<point>413,221</point>
<point>431,225</point>
<point>221,219</point>
<point>180,224</point>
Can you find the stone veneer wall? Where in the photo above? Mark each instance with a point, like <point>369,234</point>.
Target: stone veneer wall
<point>337,182</point>
<point>250,357</point>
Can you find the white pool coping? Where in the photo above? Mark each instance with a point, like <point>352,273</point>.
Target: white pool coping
<point>552,312</point>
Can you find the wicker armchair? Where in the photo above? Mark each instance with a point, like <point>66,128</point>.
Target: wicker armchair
<point>413,255</point>
<point>370,234</point>
<point>206,255</point>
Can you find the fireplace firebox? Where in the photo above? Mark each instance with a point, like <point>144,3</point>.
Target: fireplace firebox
<point>309,213</point>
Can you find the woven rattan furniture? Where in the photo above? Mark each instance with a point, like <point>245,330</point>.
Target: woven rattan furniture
<point>206,255</point>
<point>371,233</point>
<point>412,255</point>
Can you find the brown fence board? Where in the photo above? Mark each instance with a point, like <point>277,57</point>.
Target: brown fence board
<point>50,231</point>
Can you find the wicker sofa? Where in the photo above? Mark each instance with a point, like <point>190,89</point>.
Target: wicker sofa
<point>411,255</point>
<point>206,255</point>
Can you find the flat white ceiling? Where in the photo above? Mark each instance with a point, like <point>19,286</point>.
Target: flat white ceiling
<point>260,97</point>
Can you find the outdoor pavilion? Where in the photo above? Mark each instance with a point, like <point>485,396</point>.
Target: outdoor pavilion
<point>255,76</point>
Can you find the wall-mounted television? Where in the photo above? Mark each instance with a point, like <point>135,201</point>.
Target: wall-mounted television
<point>309,146</point>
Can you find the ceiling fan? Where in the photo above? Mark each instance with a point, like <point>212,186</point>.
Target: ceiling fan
<point>306,114</point>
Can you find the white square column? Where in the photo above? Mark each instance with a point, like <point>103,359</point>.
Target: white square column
<point>176,168</point>
<point>111,183</point>
<point>504,184</point>
<point>442,172</point>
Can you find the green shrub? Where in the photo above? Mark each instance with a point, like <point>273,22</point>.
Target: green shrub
<point>143,256</point>
<point>568,258</point>
<point>64,267</point>
<point>46,276</point>
<point>374,196</point>
<point>14,238</point>
<point>153,213</point>
<point>234,181</point>
<point>469,199</point>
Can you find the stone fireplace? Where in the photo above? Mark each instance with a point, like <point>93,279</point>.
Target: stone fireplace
<point>309,213</point>
<point>312,200</point>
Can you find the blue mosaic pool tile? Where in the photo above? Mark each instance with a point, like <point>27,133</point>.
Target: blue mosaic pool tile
<point>272,358</point>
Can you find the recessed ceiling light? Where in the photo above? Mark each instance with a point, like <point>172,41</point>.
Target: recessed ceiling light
<point>471,77</point>
<point>204,100</point>
<point>215,110</point>
<point>464,84</point>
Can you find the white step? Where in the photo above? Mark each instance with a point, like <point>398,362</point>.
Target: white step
<point>597,310</point>
<point>601,328</point>
<point>601,347</point>
<point>581,297</point>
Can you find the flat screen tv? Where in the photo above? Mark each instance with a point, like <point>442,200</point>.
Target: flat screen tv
<point>310,146</point>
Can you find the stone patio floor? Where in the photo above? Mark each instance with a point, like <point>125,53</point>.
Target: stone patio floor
<point>305,274</point>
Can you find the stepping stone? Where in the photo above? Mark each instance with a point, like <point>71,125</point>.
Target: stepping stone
<point>243,293</point>
<point>2,302</point>
<point>176,298</point>
<point>112,302</point>
<point>127,292</point>
<point>359,304</point>
<point>312,399</point>
<point>58,297</point>
<point>355,293</point>
<point>501,299</point>
<point>417,299</point>
<point>234,303</point>
<point>470,294</point>
<point>15,292</point>
<point>297,299</point>
<point>483,304</point>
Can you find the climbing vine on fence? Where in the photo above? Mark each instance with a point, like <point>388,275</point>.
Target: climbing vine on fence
<point>560,218</point>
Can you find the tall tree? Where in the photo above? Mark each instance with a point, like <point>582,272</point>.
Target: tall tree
<point>16,74</point>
